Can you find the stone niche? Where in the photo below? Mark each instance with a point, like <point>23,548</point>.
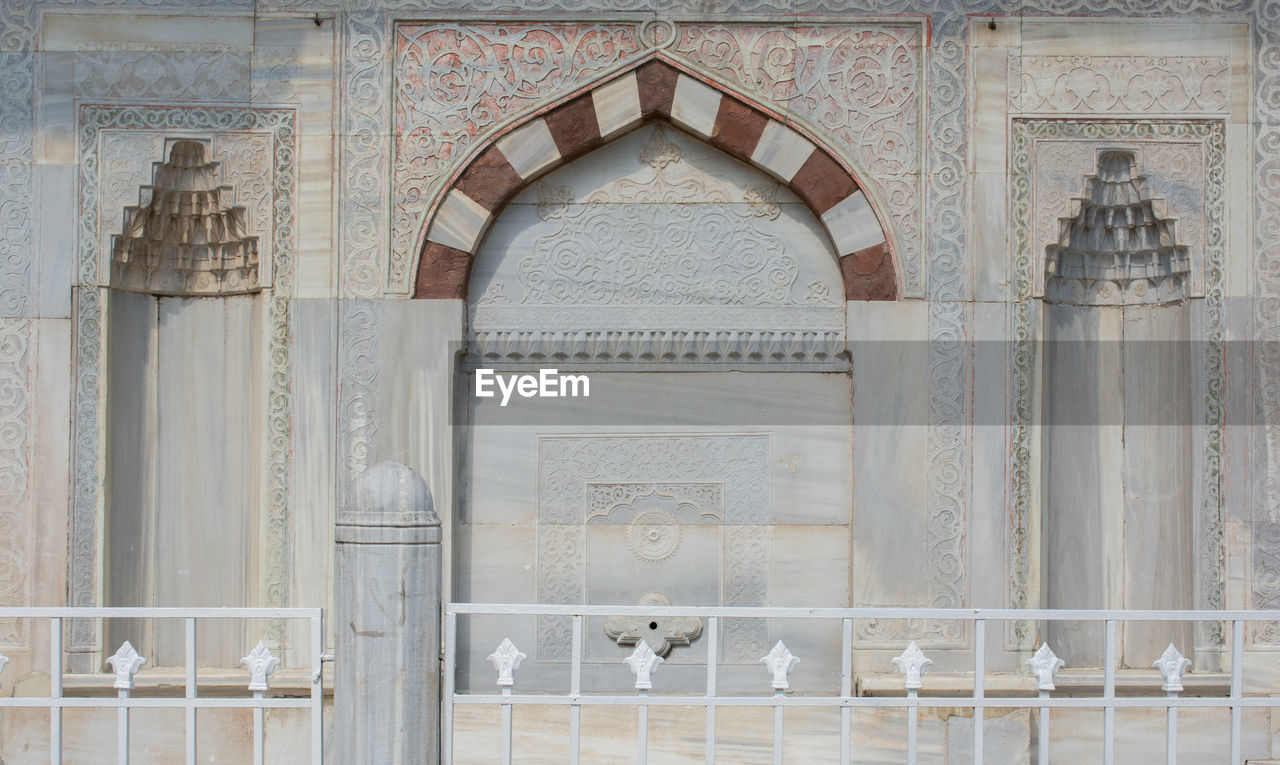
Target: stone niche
<point>700,470</point>
<point>1117,408</point>
<point>184,407</point>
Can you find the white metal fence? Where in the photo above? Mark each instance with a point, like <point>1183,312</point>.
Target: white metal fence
<point>1166,675</point>
<point>126,662</point>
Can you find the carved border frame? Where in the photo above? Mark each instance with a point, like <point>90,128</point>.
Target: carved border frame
<point>1210,585</point>
<point>85,544</point>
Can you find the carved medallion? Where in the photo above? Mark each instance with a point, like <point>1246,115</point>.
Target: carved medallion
<point>653,536</point>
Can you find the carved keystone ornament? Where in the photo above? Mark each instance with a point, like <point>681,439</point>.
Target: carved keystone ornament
<point>661,633</point>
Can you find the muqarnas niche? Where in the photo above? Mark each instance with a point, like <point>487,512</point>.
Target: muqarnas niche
<point>1116,459</point>
<point>184,408</point>
<point>185,237</point>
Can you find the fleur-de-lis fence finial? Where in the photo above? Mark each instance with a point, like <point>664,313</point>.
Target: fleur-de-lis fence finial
<point>643,661</point>
<point>506,660</point>
<point>126,662</point>
<point>780,662</point>
<point>912,663</point>
<point>1045,664</point>
<point>1171,665</point>
<point>260,664</point>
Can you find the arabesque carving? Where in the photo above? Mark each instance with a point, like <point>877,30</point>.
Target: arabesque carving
<point>1108,84</point>
<point>455,83</point>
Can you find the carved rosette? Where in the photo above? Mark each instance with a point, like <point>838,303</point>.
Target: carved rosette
<point>185,237</point>
<point>1119,248</point>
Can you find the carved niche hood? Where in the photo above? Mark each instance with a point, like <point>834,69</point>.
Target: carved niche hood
<point>1119,248</point>
<point>185,237</point>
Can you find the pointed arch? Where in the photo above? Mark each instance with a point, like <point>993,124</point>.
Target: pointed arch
<point>655,90</point>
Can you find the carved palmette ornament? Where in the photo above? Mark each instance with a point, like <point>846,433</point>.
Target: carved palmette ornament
<point>185,237</point>
<point>1119,247</point>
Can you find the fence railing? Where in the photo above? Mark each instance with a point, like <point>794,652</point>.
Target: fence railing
<point>126,662</point>
<point>1166,671</point>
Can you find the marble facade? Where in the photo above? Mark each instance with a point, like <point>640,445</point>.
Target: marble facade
<point>800,249</point>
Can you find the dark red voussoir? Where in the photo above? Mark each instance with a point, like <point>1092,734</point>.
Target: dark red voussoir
<point>442,273</point>
<point>822,183</point>
<point>738,128</point>
<point>656,82</point>
<point>574,127</point>
<point>868,274</point>
<point>490,181</point>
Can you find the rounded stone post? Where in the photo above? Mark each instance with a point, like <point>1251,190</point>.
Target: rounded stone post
<point>387,621</point>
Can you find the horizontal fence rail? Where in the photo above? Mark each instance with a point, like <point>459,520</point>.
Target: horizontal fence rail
<point>1167,672</point>
<point>126,662</point>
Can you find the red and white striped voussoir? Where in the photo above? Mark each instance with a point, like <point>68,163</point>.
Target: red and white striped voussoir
<point>654,90</point>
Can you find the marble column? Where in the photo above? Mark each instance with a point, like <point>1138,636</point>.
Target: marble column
<point>387,621</point>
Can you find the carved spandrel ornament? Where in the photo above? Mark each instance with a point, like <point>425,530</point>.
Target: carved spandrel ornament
<point>1118,247</point>
<point>660,633</point>
<point>185,237</point>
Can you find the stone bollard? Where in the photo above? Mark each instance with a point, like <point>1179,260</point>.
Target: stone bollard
<point>387,621</point>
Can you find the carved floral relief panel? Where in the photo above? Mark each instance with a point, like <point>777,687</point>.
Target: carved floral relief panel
<point>1111,84</point>
<point>16,533</point>
<point>164,75</point>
